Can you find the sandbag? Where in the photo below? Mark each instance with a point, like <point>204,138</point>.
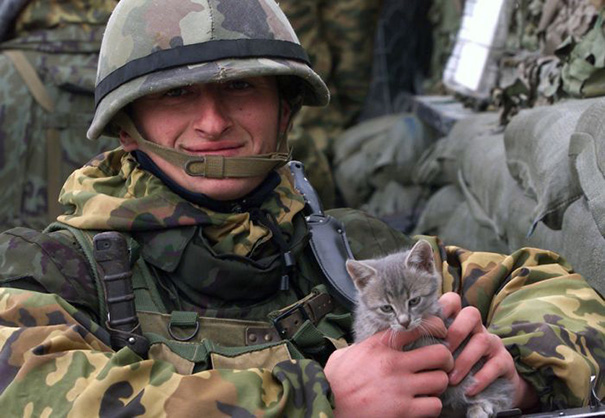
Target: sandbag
<point>439,164</point>
<point>583,244</point>
<point>537,144</point>
<point>395,198</point>
<point>438,210</point>
<point>371,154</point>
<point>464,231</point>
<point>485,182</point>
<point>587,154</point>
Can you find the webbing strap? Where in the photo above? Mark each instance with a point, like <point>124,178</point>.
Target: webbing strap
<point>31,79</point>
<point>211,166</point>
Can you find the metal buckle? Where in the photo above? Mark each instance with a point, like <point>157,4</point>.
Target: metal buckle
<point>187,338</point>
<point>283,331</point>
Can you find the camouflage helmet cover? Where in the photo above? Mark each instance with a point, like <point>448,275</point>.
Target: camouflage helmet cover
<point>155,45</point>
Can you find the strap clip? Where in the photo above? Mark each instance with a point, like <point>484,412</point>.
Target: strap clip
<point>294,318</point>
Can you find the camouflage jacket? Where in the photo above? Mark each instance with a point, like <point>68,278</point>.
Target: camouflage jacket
<point>52,342</point>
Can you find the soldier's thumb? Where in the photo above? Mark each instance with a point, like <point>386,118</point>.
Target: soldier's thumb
<point>399,339</point>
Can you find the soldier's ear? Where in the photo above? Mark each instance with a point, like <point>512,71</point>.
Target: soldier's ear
<point>128,143</point>
<point>285,116</point>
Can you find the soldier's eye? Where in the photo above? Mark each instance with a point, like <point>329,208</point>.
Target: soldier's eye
<point>238,85</point>
<point>414,301</point>
<point>386,308</point>
<point>176,92</point>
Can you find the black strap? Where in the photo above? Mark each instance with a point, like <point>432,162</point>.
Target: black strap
<point>328,241</point>
<point>112,256</point>
<point>196,54</point>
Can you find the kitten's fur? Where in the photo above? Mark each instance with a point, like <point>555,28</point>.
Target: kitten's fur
<point>398,292</point>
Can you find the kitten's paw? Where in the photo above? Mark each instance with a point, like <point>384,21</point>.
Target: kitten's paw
<point>480,410</point>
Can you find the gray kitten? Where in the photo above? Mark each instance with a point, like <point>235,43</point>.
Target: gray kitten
<point>398,292</point>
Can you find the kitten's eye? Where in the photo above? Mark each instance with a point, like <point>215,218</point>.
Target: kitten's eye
<point>386,308</point>
<point>414,301</point>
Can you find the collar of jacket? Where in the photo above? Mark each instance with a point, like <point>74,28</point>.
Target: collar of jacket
<point>252,200</point>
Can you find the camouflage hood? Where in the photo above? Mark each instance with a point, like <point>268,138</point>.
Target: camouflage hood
<point>65,22</point>
<point>112,192</point>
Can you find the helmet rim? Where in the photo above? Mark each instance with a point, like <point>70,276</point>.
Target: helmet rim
<point>315,92</point>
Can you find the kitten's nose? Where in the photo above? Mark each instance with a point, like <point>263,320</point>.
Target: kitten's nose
<point>403,320</point>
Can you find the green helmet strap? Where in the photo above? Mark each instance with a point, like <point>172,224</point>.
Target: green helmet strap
<point>211,166</point>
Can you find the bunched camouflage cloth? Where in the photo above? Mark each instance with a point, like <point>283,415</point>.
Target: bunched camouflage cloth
<point>55,357</point>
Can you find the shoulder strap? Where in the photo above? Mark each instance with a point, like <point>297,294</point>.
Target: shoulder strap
<point>85,240</point>
<point>31,79</point>
<point>328,240</point>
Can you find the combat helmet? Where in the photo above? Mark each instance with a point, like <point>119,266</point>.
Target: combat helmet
<point>155,45</point>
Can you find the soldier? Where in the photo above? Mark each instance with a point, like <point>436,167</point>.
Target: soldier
<point>233,311</point>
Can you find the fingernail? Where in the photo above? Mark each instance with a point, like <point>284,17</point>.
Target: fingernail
<point>454,378</point>
<point>470,391</point>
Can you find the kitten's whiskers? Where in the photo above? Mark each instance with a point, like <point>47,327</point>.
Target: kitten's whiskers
<point>425,328</point>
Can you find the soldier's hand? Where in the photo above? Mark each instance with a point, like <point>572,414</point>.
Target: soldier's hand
<point>374,378</point>
<point>482,344</point>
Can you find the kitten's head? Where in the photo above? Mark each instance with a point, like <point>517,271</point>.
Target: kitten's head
<point>399,290</point>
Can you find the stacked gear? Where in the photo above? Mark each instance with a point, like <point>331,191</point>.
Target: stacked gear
<point>156,55</point>
<point>48,59</point>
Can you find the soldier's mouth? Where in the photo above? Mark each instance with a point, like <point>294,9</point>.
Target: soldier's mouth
<point>224,149</point>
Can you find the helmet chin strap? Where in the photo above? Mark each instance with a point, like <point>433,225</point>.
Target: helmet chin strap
<point>210,166</point>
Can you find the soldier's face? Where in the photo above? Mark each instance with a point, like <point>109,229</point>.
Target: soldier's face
<point>234,118</point>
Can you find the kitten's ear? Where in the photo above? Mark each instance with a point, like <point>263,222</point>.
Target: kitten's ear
<point>360,272</point>
<point>421,257</point>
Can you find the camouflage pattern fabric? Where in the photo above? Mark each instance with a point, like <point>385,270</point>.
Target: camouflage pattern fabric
<point>563,324</point>
<point>60,40</point>
<point>51,343</point>
<point>339,38</point>
<point>445,17</point>
<point>107,207</point>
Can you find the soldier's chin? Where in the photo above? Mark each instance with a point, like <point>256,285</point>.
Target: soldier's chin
<point>224,189</point>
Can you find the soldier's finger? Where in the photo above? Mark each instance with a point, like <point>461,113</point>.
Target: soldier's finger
<point>479,346</point>
<point>499,365</point>
<point>427,406</point>
<point>431,357</point>
<point>467,322</point>
<point>430,383</point>
<point>451,304</point>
